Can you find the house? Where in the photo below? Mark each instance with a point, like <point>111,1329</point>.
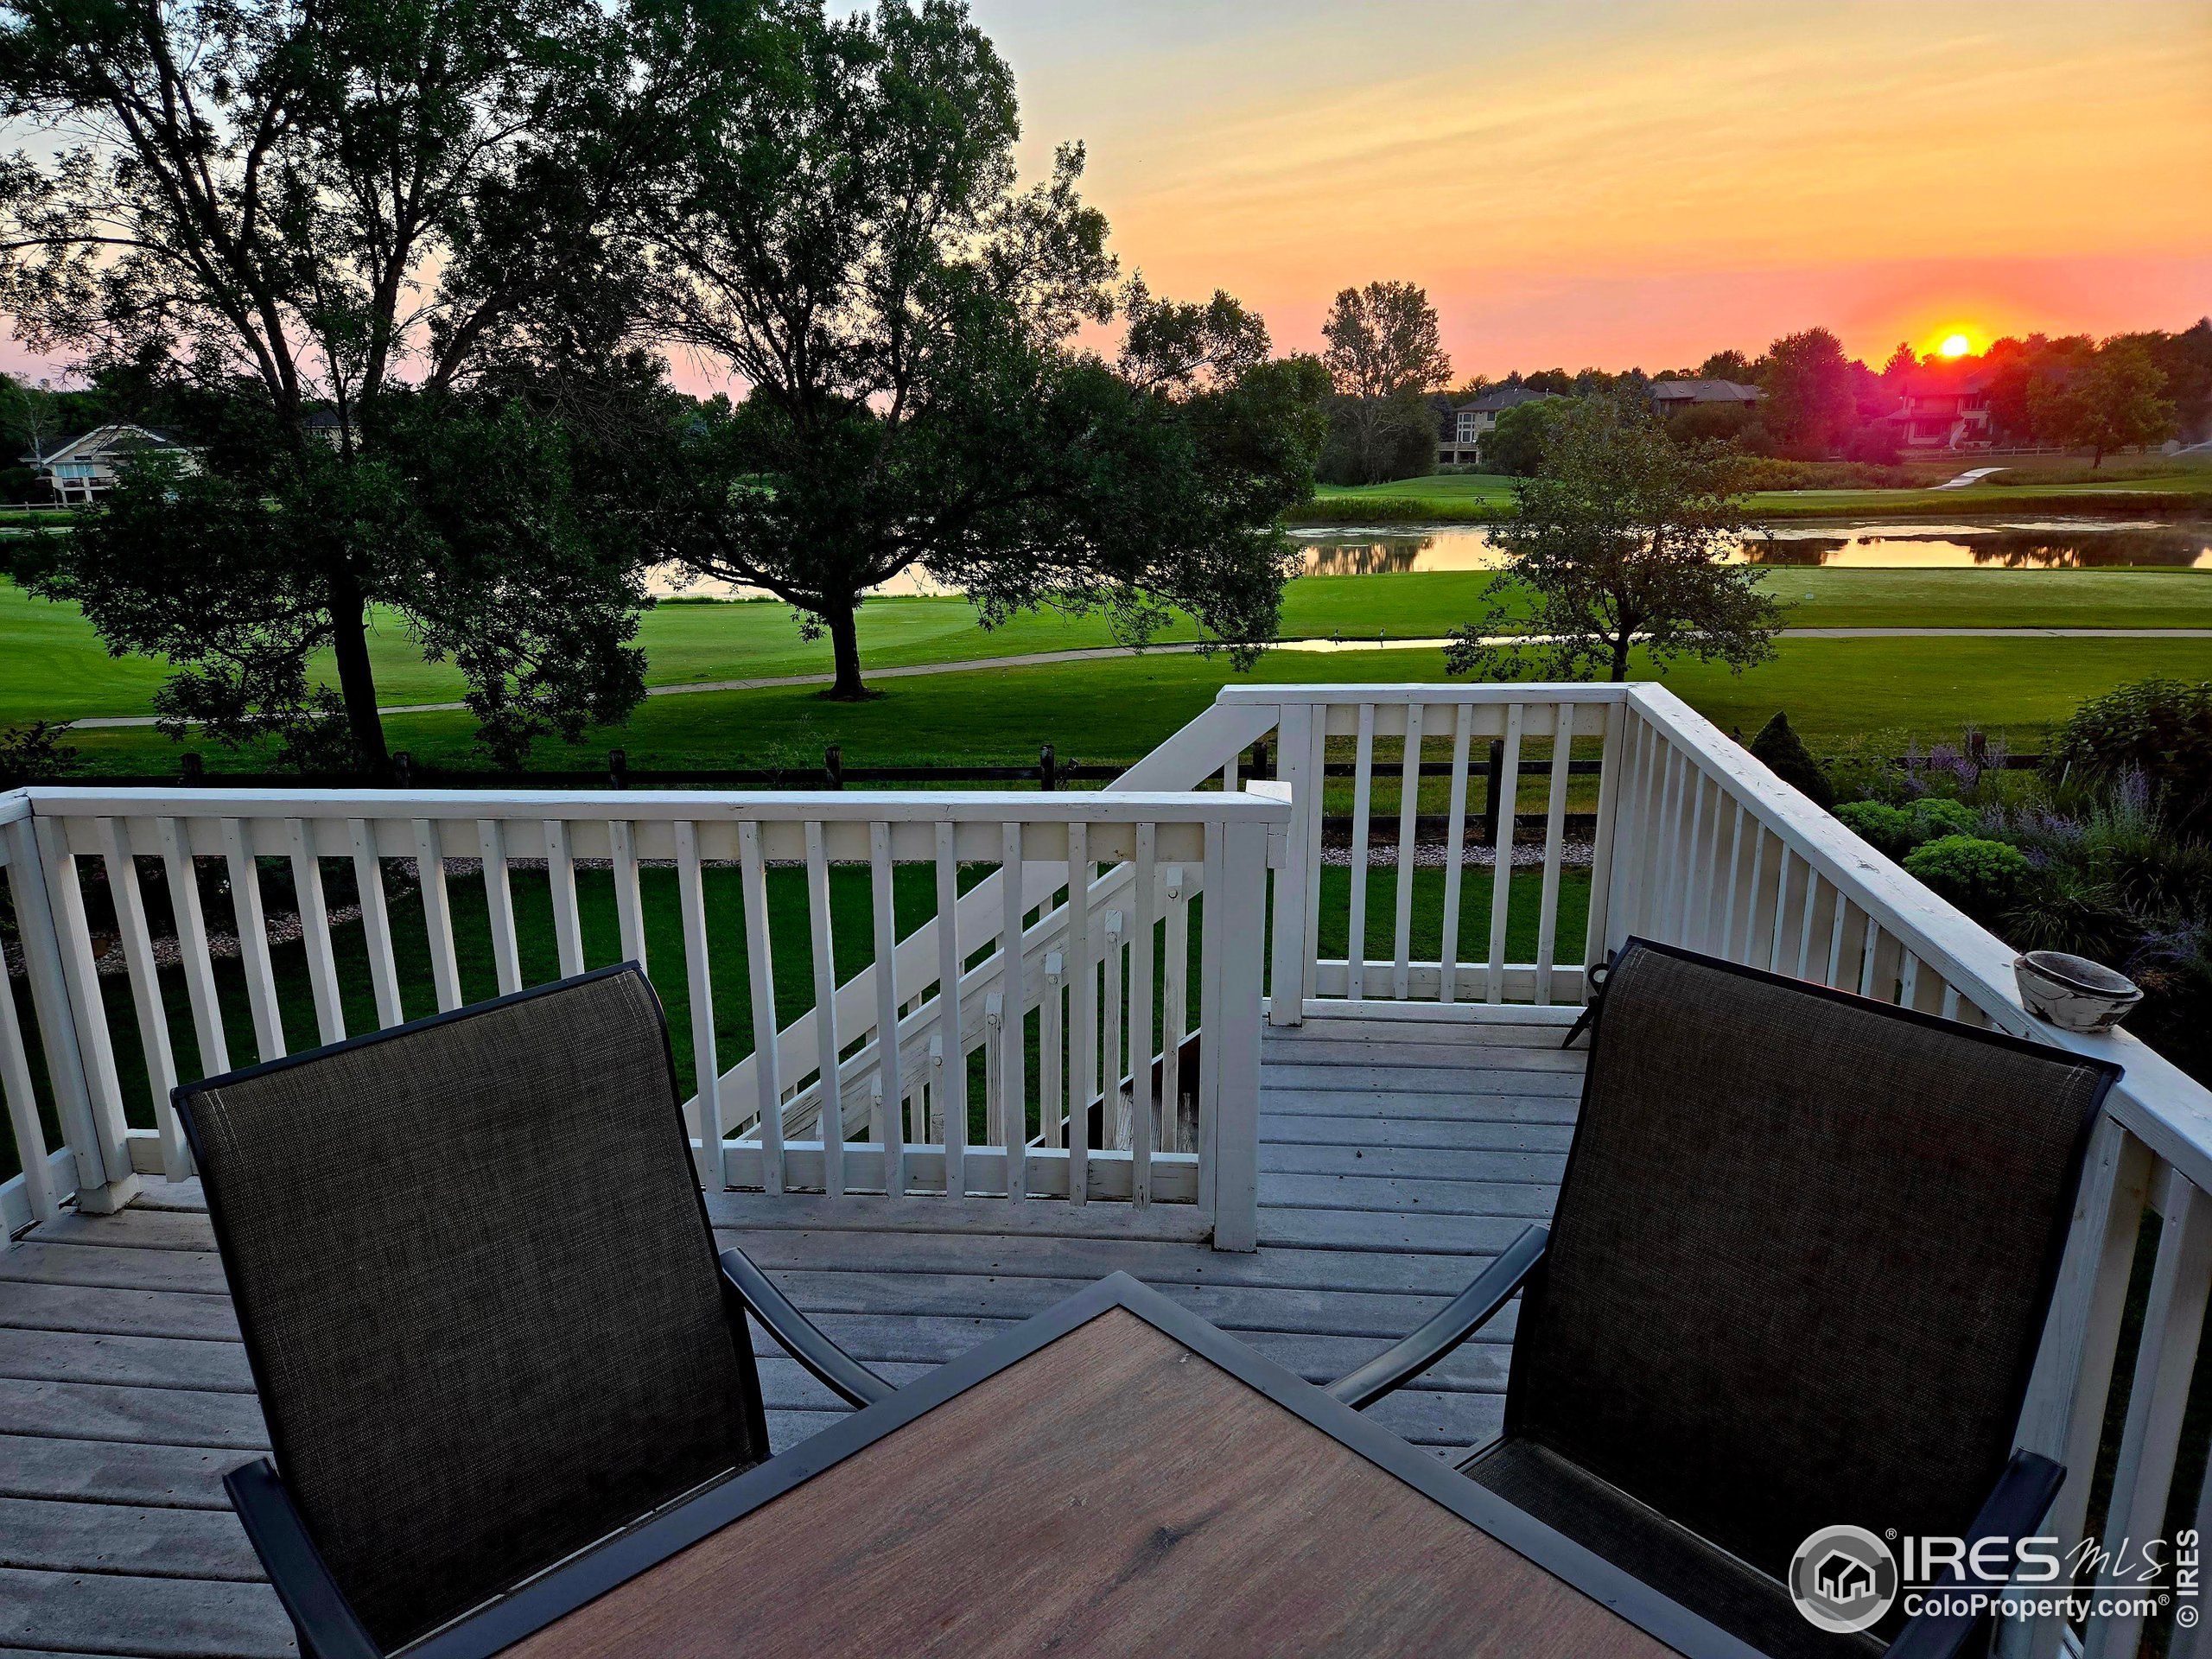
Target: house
<point>327,426</point>
<point>1671,397</point>
<point>1943,408</point>
<point>1460,439</point>
<point>85,467</point>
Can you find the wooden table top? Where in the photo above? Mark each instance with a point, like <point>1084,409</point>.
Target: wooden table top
<point>1114,1492</point>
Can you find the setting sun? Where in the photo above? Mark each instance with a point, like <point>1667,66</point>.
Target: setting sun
<point>1955,346</point>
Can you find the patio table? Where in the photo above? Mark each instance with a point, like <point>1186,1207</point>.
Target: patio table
<point>1114,1476</point>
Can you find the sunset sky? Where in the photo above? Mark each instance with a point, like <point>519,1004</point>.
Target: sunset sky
<point>1643,184</point>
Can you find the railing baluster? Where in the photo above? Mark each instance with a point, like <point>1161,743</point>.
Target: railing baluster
<point>195,958</point>
<point>1807,923</point>
<point>994,1068</point>
<point>1555,836</point>
<point>1687,851</point>
<point>629,899</point>
<point>1775,944</point>
<point>892,1135</point>
<point>253,942</point>
<point>830,1089</point>
<point>1212,966</point>
<point>1014,1066</point>
<point>1082,1012</point>
<point>1836,941</point>
<point>561,882</point>
<point>42,1198</point>
<point>376,922</point>
<point>1143,1098</point>
<point>1735,887</point>
<point>1355,919</point>
<point>314,931</point>
<point>1114,1111</point>
<point>1455,847</point>
<point>1408,815</point>
<point>1501,886</point>
<point>499,904</point>
<point>952,1085</point>
<point>438,912</point>
<point>1174,994</point>
<point>691,895</point>
<point>65,989</point>
<point>760,969</point>
<point>2173,1320</point>
<point>145,995</point>
<point>1612,783</point>
<point>1051,1043</point>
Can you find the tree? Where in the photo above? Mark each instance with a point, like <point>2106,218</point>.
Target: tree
<point>847,238</point>
<point>1724,365</point>
<point>1515,444</point>
<point>1385,350</point>
<point>2112,401</point>
<point>1618,544</point>
<point>289,206</point>
<point>1903,361</point>
<point>1810,405</point>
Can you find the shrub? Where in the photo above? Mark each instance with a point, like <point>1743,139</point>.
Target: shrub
<point>1939,815</point>
<point>1877,823</point>
<point>1787,758</point>
<point>33,754</point>
<point>2161,728</point>
<point>1977,875</point>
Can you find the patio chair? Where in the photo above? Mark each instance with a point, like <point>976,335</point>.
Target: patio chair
<point>479,1297</point>
<point>1797,1278</point>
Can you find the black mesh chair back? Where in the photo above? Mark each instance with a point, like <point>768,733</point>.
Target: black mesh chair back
<point>478,1289</point>
<point>1801,1259</point>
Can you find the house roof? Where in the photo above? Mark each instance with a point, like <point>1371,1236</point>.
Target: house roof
<point>1703,391</point>
<point>1503,398</point>
<point>121,437</point>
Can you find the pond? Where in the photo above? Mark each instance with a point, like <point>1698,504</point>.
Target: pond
<point>2025,544</point>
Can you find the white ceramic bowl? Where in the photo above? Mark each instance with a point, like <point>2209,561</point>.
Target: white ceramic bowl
<point>2073,992</point>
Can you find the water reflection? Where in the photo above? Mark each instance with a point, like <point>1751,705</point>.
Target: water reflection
<point>2059,545</point>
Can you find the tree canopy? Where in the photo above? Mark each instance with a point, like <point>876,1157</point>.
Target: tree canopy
<point>1618,545</point>
<point>1385,351</point>
<point>847,237</point>
<point>394,216</point>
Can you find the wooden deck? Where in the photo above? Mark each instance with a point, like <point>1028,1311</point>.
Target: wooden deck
<point>1395,1158</point>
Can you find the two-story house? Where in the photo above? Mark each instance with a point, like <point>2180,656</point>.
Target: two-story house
<point>85,466</point>
<point>1460,441</point>
<point>1943,408</point>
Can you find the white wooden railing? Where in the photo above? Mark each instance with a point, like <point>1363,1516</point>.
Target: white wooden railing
<point>1099,913</point>
<point>1691,842</point>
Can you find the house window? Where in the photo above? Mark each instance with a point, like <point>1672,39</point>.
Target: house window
<point>1468,430</point>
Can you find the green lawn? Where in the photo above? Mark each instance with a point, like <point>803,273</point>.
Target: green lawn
<point>1117,708</point>
<point>53,666</point>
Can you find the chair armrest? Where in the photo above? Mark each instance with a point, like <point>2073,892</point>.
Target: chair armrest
<point>2015,1509</point>
<point>1468,1312</point>
<point>800,1335</point>
<point>327,1626</point>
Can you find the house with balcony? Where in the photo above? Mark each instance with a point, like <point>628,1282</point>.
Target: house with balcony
<point>1459,440</point>
<point>85,466</point>
<point>1150,1031</point>
<point>1942,408</point>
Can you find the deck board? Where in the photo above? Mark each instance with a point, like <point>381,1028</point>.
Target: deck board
<point>1395,1159</point>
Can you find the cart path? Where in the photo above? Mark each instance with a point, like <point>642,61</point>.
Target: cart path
<point>1092,653</point>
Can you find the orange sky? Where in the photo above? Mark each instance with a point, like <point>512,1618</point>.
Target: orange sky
<point>1643,184</point>
<point>1629,184</point>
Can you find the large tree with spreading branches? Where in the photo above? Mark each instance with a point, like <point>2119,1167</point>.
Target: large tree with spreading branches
<point>847,237</point>
<point>377,233</point>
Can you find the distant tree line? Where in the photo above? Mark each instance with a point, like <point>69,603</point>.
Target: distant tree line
<point>1392,405</point>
